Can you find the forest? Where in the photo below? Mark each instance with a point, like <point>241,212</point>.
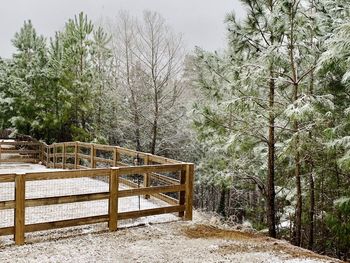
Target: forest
<point>266,120</point>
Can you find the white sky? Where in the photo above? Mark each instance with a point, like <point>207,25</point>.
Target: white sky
<point>200,21</point>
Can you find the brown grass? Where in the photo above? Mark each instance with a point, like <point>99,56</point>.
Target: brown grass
<point>205,231</point>
<point>277,247</point>
<point>251,242</point>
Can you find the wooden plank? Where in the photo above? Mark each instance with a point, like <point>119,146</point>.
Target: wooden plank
<point>153,158</point>
<point>102,147</point>
<point>20,209</point>
<point>49,175</point>
<point>84,144</point>
<point>69,166</point>
<point>92,155</point>
<point>82,167</point>
<point>121,164</point>
<point>59,166</point>
<point>20,151</point>
<point>54,156</point>
<point>47,156</point>
<point>115,156</point>
<point>64,149</point>
<point>66,223</point>
<point>103,160</point>
<point>167,199</point>
<point>150,169</point>
<point>127,182</point>
<point>163,197</point>
<point>7,178</point>
<point>76,157</point>
<point>40,148</point>
<point>84,156</point>
<point>20,143</point>
<point>151,190</point>
<point>163,160</point>
<point>146,176</point>
<point>65,199</point>
<point>164,179</point>
<point>182,197</point>
<point>150,212</point>
<point>19,160</point>
<point>129,152</point>
<point>189,191</point>
<point>5,231</point>
<point>11,204</point>
<point>57,144</point>
<point>113,200</point>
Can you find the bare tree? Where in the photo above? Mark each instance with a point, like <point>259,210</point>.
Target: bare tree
<point>160,54</point>
<point>148,59</point>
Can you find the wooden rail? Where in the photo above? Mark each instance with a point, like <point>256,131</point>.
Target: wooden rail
<point>75,155</point>
<point>80,151</point>
<point>20,151</point>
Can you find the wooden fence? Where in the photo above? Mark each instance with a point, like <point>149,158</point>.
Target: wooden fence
<point>20,151</point>
<point>165,179</point>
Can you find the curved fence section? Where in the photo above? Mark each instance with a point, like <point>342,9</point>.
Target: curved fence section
<point>93,184</point>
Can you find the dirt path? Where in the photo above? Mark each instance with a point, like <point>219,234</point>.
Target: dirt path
<point>197,241</point>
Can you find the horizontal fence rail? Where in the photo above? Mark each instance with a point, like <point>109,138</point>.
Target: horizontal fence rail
<point>114,175</point>
<point>20,151</point>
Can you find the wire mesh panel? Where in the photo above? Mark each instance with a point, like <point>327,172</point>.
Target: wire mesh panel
<point>66,188</point>
<point>104,158</point>
<point>51,213</point>
<point>70,154</point>
<point>7,193</point>
<point>147,201</point>
<point>127,160</point>
<point>140,202</point>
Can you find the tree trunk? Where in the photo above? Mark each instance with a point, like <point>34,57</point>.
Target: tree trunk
<point>312,210</point>
<point>222,204</point>
<point>155,123</point>
<point>293,64</point>
<point>271,194</point>
<point>154,135</point>
<point>137,131</point>
<point>299,204</point>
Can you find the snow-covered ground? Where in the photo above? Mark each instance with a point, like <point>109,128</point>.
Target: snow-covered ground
<point>11,168</point>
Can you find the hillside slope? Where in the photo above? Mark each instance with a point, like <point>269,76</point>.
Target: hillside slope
<point>203,240</point>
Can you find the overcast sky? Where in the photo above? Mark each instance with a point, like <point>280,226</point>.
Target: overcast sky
<point>200,21</point>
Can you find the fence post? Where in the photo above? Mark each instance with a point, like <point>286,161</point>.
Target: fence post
<point>40,146</point>
<point>189,190</point>
<point>76,148</point>
<point>54,155</point>
<point>47,156</point>
<point>20,208</point>
<point>182,197</point>
<point>115,156</point>
<point>92,156</point>
<point>64,155</point>
<point>113,199</point>
<point>146,176</point>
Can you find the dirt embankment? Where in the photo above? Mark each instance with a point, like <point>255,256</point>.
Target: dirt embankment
<point>203,240</point>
